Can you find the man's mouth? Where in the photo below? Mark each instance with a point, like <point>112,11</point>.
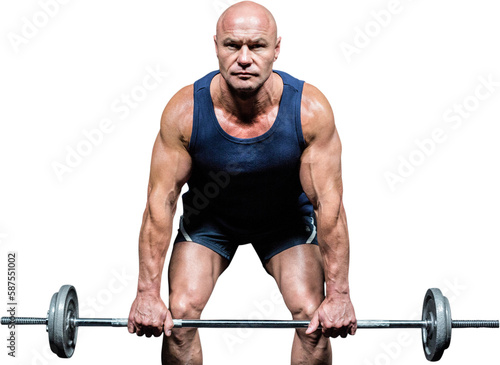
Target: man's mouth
<point>244,74</point>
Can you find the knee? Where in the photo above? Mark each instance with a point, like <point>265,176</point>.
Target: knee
<point>303,305</point>
<point>186,306</point>
<point>302,308</point>
<point>304,312</point>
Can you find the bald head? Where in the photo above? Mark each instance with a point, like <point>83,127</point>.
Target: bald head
<point>247,14</point>
<point>246,45</point>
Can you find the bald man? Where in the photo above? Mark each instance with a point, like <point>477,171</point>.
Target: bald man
<point>261,156</point>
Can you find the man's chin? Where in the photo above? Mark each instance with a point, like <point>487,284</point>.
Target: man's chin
<point>244,87</point>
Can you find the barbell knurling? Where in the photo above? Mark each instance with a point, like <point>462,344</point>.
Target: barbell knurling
<point>475,324</point>
<point>23,320</point>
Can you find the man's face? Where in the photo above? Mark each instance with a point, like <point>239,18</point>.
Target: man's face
<point>246,47</point>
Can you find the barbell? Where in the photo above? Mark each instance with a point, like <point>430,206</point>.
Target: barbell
<point>62,323</point>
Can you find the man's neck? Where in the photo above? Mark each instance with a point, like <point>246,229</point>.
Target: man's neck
<point>247,108</point>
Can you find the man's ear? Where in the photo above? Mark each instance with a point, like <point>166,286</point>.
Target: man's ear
<point>277,48</point>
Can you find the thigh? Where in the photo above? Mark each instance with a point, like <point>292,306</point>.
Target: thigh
<point>193,272</point>
<point>299,273</point>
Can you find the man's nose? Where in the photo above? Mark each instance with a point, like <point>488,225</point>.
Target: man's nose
<point>244,58</point>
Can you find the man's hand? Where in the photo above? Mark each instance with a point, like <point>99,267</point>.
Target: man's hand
<point>149,316</point>
<point>336,317</point>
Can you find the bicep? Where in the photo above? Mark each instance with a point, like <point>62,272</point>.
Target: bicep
<point>170,169</point>
<point>171,161</point>
<point>320,170</point>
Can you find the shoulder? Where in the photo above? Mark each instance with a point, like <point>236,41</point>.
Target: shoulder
<point>316,114</point>
<point>177,117</point>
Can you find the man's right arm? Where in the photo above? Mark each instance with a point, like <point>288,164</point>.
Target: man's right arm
<point>170,169</point>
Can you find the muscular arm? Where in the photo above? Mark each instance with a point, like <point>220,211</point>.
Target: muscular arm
<point>170,169</point>
<point>321,178</point>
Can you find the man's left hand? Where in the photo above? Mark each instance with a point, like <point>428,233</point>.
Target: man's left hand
<point>336,317</point>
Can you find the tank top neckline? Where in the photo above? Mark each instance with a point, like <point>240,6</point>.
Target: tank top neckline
<point>250,140</point>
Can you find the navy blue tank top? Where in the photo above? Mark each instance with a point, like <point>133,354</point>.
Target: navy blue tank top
<point>246,186</point>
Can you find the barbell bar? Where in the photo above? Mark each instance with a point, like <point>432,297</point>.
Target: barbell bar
<point>62,323</point>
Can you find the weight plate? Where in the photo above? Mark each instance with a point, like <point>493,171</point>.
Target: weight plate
<point>437,336</point>
<point>50,322</point>
<point>62,313</point>
<point>448,322</point>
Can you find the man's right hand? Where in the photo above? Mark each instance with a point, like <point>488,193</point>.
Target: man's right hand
<point>149,316</point>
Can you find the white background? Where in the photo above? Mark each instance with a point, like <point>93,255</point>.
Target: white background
<point>438,227</point>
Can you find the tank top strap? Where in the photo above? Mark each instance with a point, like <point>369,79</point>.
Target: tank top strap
<point>295,96</point>
<point>202,105</point>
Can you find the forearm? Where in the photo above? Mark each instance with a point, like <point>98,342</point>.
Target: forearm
<point>333,239</point>
<point>154,241</point>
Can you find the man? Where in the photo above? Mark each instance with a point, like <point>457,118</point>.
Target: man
<point>261,155</point>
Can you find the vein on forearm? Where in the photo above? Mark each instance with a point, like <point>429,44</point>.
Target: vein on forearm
<point>333,241</point>
<point>154,242</point>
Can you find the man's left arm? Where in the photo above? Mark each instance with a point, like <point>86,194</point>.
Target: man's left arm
<point>321,178</point>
